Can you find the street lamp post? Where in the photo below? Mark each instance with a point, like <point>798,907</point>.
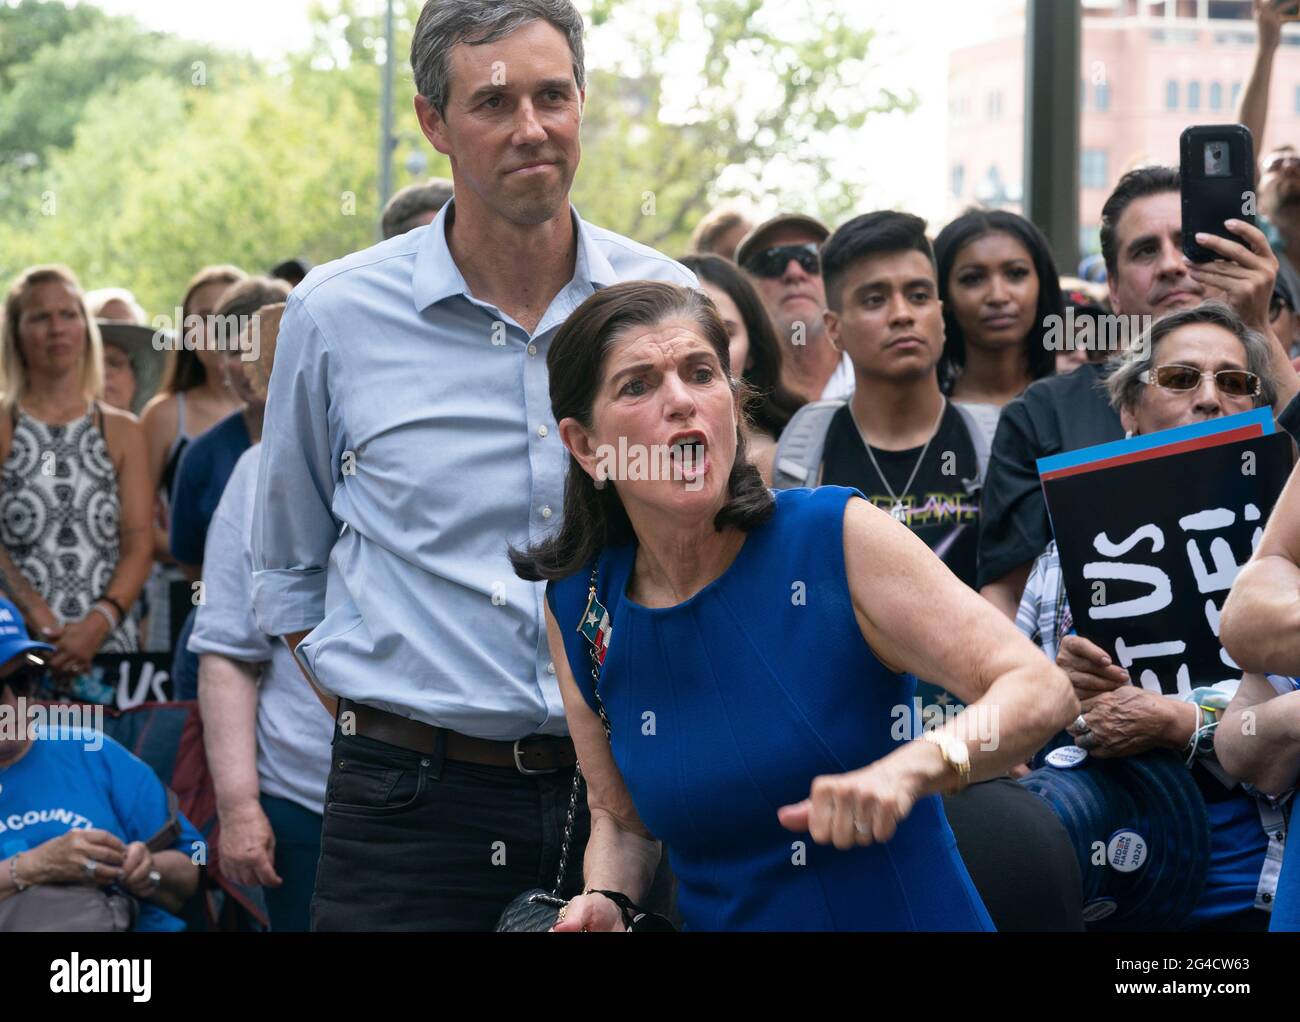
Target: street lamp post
<point>386,140</point>
<point>1053,39</point>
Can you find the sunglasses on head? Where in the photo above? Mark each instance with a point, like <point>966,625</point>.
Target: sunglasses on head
<point>772,262</point>
<point>1180,378</point>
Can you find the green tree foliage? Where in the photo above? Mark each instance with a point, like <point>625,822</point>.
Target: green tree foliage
<point>713,99</point>
<point>253,174</point>
<point>28,25</point>
<point>45,97</point>
<point>136,170</point>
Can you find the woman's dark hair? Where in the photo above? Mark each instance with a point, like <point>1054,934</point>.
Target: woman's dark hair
<point>250,294</point>
<point>970,227</point>
<point>774,403</point>
<point>594,519</point>
<point>184,371</point>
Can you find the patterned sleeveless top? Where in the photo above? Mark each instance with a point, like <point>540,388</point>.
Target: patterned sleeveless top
<point>59,516</point>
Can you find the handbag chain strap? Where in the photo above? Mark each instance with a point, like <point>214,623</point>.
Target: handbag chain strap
<point>567,843</point>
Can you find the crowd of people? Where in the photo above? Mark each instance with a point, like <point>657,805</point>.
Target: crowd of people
<point>401,544</point>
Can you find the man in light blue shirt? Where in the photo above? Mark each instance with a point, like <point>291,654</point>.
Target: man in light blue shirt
<point>408,441</point>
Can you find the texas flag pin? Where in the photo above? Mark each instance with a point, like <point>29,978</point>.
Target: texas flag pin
<point>596,626</point>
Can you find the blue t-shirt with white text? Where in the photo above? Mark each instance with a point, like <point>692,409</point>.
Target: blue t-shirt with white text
<point>73,781</point>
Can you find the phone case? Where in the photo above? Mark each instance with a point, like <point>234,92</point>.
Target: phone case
<point>1217,168</point>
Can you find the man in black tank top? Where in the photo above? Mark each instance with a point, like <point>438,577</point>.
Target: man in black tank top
<point>911,453</point>
<point>938,507</point>
<point>897,439</point>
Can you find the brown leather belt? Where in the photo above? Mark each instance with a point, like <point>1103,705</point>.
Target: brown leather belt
<point>537,754</point>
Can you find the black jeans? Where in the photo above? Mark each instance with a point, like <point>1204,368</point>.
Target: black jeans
<point>414,842</point>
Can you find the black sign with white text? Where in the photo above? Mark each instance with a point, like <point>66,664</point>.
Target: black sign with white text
<point>1150,549</point>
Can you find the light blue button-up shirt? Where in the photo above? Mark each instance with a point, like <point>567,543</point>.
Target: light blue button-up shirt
<point>408,439</point>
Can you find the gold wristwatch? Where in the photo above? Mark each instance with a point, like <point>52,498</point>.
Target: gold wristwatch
<point>955,754</point>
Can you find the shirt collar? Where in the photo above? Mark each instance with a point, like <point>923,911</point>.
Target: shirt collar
<point>437,277</point>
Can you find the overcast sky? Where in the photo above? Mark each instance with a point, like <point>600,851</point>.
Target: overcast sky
<point>918,36</point>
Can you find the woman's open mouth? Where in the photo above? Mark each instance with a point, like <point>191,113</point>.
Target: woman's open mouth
<point>689,454</point>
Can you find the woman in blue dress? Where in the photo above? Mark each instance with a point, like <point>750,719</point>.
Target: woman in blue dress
<point>752,654</point>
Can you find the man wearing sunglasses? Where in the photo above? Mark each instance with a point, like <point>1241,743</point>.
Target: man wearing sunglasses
<point>782,256</point>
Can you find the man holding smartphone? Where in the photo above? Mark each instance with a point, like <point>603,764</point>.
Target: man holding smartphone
<point>1142,240</point>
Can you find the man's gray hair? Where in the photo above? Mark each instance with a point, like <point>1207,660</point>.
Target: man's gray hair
<point>1125,384</point>
<point>444,23</point>
<point>411,202</point>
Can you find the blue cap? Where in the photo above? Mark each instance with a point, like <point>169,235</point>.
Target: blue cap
<point>13,634</point>
<point>1148,814</point>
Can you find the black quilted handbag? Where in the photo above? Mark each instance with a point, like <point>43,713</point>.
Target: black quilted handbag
<point>536,911</point>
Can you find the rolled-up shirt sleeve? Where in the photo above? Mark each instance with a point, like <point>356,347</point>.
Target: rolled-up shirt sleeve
<point>294,528</point>
<point>224,622</point>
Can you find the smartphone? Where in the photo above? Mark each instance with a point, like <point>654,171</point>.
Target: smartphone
<point>1217,166</point>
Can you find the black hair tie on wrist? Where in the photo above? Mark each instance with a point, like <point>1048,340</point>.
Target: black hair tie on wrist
<point>121,611</point>
<point>635,918</point>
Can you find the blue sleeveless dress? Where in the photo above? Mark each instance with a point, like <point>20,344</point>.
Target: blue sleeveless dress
<point>726,707</point>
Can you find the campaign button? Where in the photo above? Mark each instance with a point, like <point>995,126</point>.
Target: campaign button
<point>1066,757</point>
<point>1099,909</point>
<point>1127,851</point>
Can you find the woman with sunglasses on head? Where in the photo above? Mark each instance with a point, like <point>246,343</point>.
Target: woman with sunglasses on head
<point>1194,365</point>
<point>78,810</point>
<point>755,354</point>
<point>999,287</point>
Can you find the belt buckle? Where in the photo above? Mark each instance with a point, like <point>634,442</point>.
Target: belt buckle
<point>519,763</point>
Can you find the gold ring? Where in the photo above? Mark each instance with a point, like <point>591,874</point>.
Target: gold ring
<point>563,909</point>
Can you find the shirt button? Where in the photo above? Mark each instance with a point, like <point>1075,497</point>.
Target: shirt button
<point>532,349</point>
<point>550,668</point>
<point>542,431</point>
<point>546,511</point>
